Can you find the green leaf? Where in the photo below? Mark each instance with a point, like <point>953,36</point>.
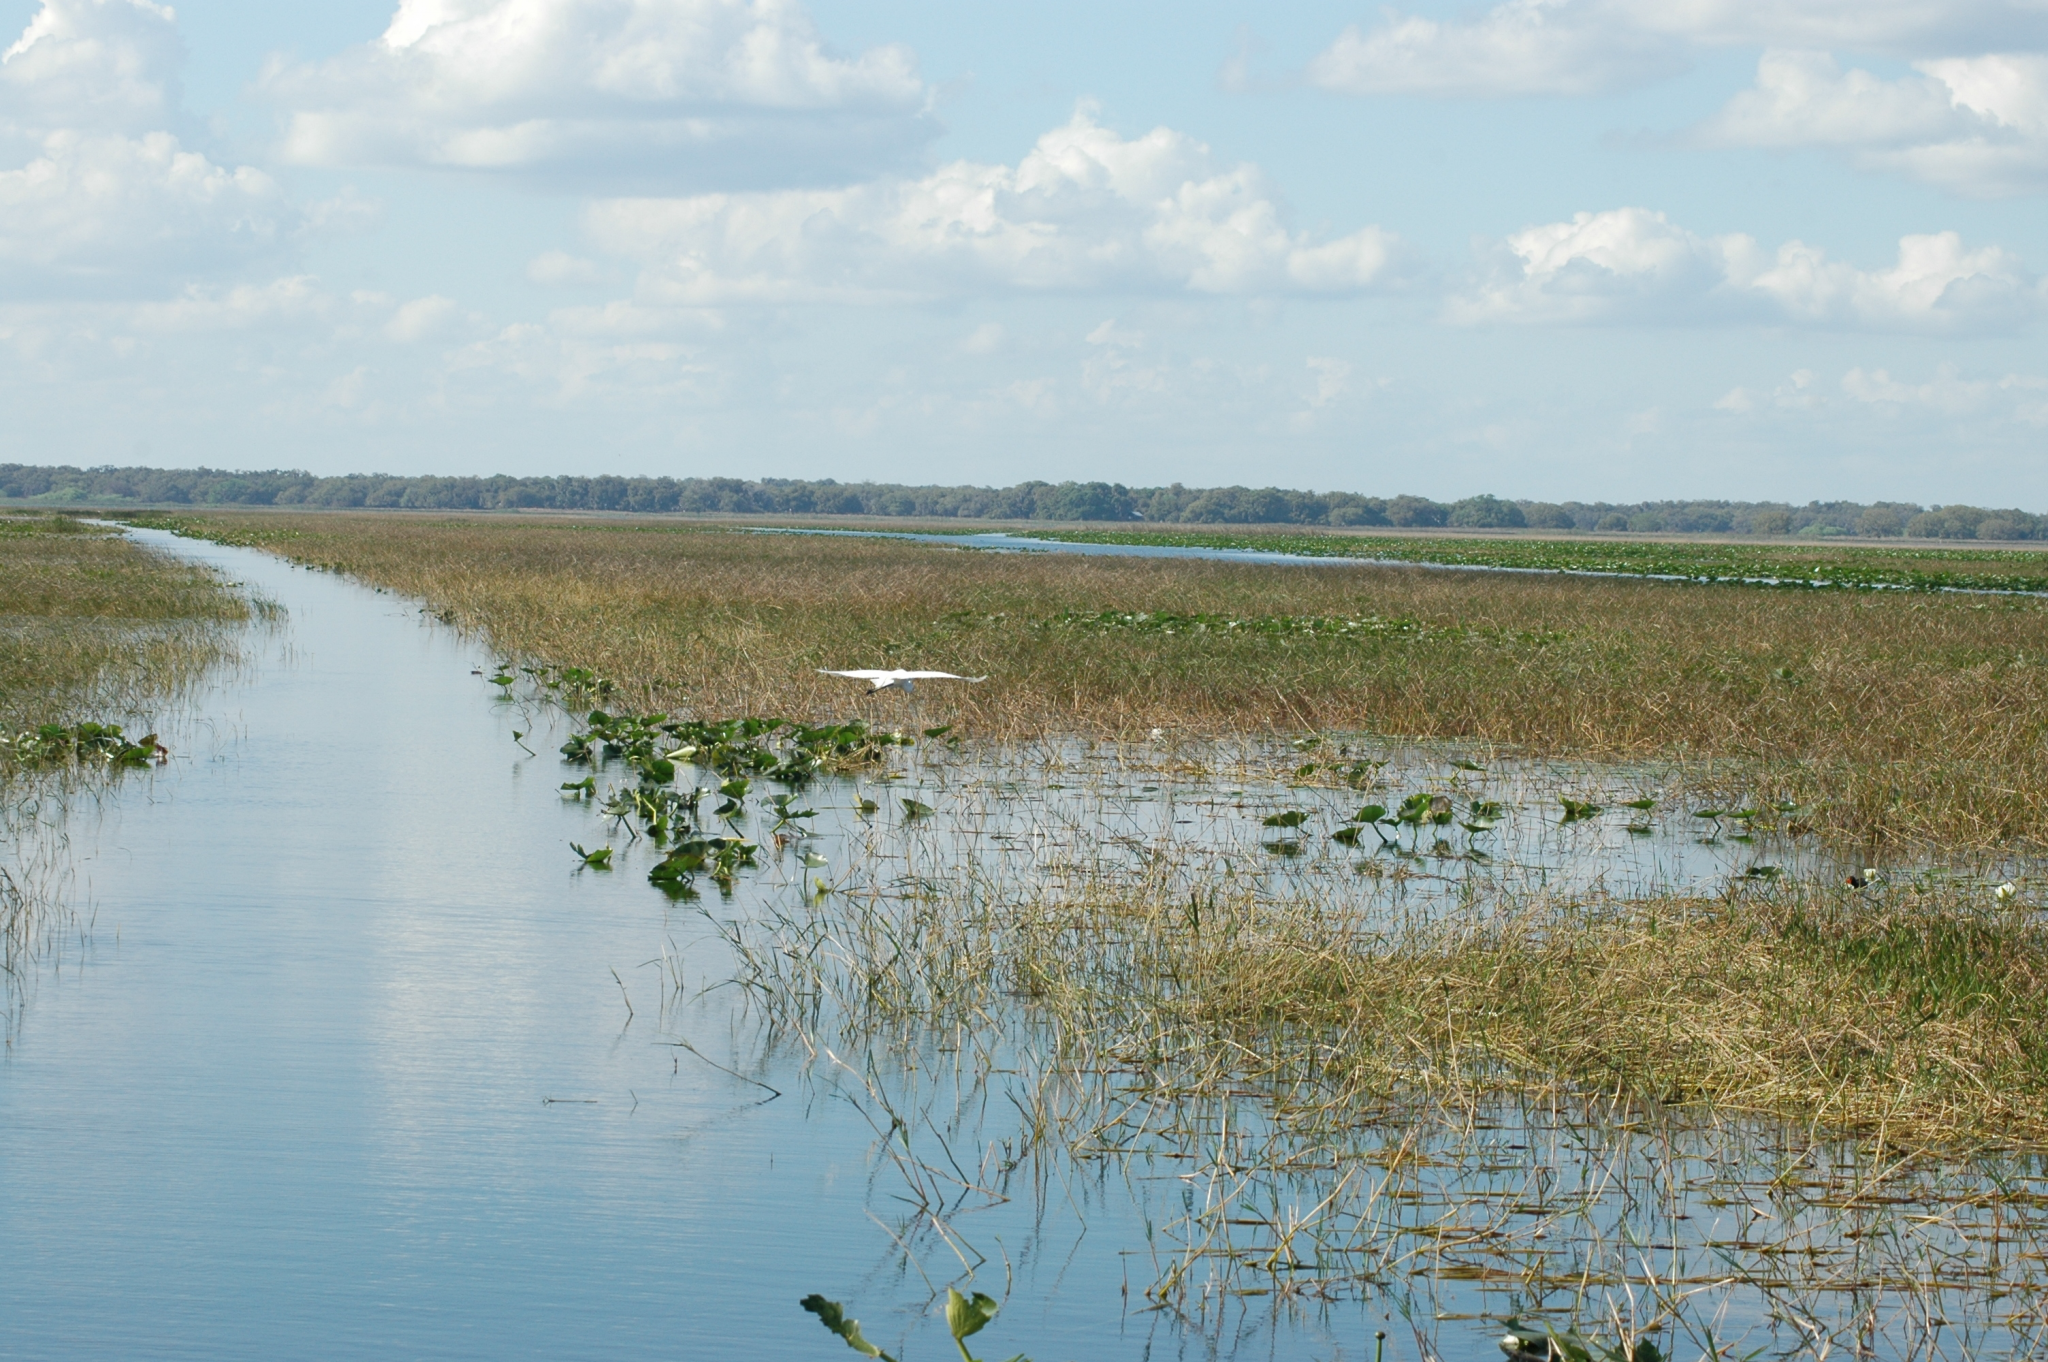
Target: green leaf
<point>1371,813</point>
<point>913,808</point>
<point>1644,804</point>
<point>967,1316</point>
<point>866,805</point>
<point>1575,810</point>
<point>1468,766</point>
<point>941,731</point>
<point>833,1316</point>
<point>1292,818</point>
<point>1345,837</point>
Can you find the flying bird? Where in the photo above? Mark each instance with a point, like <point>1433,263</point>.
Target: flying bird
<point>899,678</point>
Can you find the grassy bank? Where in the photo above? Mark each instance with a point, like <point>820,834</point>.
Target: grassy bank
<point>1902,717</point>
<point>93,629</point>
<point>93,626</point>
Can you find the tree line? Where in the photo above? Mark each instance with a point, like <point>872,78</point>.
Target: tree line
<point>1061,501</point>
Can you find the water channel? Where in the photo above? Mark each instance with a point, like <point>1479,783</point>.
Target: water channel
<point>348,1059</point>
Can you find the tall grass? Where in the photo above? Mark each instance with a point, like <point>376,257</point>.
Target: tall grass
<point>1903,717</point>
<point>92,628</point>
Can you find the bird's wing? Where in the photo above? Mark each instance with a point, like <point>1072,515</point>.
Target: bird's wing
<point>858,676</point>
<point>938,676</point>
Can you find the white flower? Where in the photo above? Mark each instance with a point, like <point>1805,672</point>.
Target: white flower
<point>2005,892</point>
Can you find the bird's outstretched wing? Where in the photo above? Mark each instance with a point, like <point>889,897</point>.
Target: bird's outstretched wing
<point>859,676</point>
<point>937,676</point>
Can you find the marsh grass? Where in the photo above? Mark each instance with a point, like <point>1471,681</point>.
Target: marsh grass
<point>93,628</point>
<point>1902,718</point>
<point>1783,1116</point>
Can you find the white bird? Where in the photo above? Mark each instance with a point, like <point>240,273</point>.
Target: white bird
<point>899,678</point>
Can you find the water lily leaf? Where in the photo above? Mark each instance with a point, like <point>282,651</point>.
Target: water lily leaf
<point>1641,829</point>
<point>1575,810</point>
<point>1292,818</point>
<point>812,860</point>
<point>968,1315</point>
<point>1371,813</point>
<point>1468,766</point>
<point>600,859</point>
<point>915,808</point>
<point>941,731</point>
<point>1644,804</point>
<point>866,805</point>
<point>1479,825</point>
<point>1345,837</point>
<point>833,1316</point>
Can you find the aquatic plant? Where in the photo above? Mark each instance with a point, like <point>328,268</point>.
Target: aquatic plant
<point>966,1316</point>
<point>100,744</point>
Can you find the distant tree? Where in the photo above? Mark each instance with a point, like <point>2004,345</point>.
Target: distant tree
<point>1418,511</point>
<point>1487,513</point>
<point>1646,522</point>
<point>1771,522</point>
<point>1613,520</point>
<point>1879,522</point>
<point>1544,515</point>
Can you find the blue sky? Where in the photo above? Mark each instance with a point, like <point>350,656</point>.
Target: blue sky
<point>1550,248</point>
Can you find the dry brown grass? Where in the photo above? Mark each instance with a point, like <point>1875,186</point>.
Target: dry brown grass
<point>1915,1014</point>
<point>1908,717</point>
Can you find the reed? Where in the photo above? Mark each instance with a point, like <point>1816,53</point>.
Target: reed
<point>1903,718</point>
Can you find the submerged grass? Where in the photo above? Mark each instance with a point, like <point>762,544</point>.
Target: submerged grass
<point>1903,717</point>
<point>93,628</point>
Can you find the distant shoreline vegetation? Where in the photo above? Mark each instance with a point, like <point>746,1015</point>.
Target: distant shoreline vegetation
<point>1044,501</point>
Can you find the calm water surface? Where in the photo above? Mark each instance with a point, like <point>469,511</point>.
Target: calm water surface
<point>343,1070</point>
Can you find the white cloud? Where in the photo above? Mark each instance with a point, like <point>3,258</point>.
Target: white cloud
<point>1976,125</point>
<point>1085,210</point>
<point>1579,47</point>
<point>421,319</point>
<point>559,269</point>
<point>1947,392</point>
<point>670,93</point>
<point>104,66</point>
<point>95,209</point>
<point>1524,47</point>
<point>100,195</point>
<point>1634,265</point>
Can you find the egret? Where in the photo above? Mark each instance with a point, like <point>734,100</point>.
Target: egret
<point>899,678</point>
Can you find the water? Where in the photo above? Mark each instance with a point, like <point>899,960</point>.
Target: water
<point>352,1061</point>
<point>344,1069</point>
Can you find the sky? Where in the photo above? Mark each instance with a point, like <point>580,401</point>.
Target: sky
<point>1560,249</point>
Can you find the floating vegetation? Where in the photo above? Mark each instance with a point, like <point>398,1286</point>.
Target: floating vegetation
<point>656,748</point>
<point>966,1316</point>
<point>84,743</point>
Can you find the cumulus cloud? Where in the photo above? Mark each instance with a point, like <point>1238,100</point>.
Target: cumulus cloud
<point>99,193</point>
<point>95,207</point>
<point>1085,210</point>
<point>1579,47</point>
<point>102,66</point>
<point>629,93</point>
<point>1976,125</point>
<point>1524,47</point>
<point>1635,265</point>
